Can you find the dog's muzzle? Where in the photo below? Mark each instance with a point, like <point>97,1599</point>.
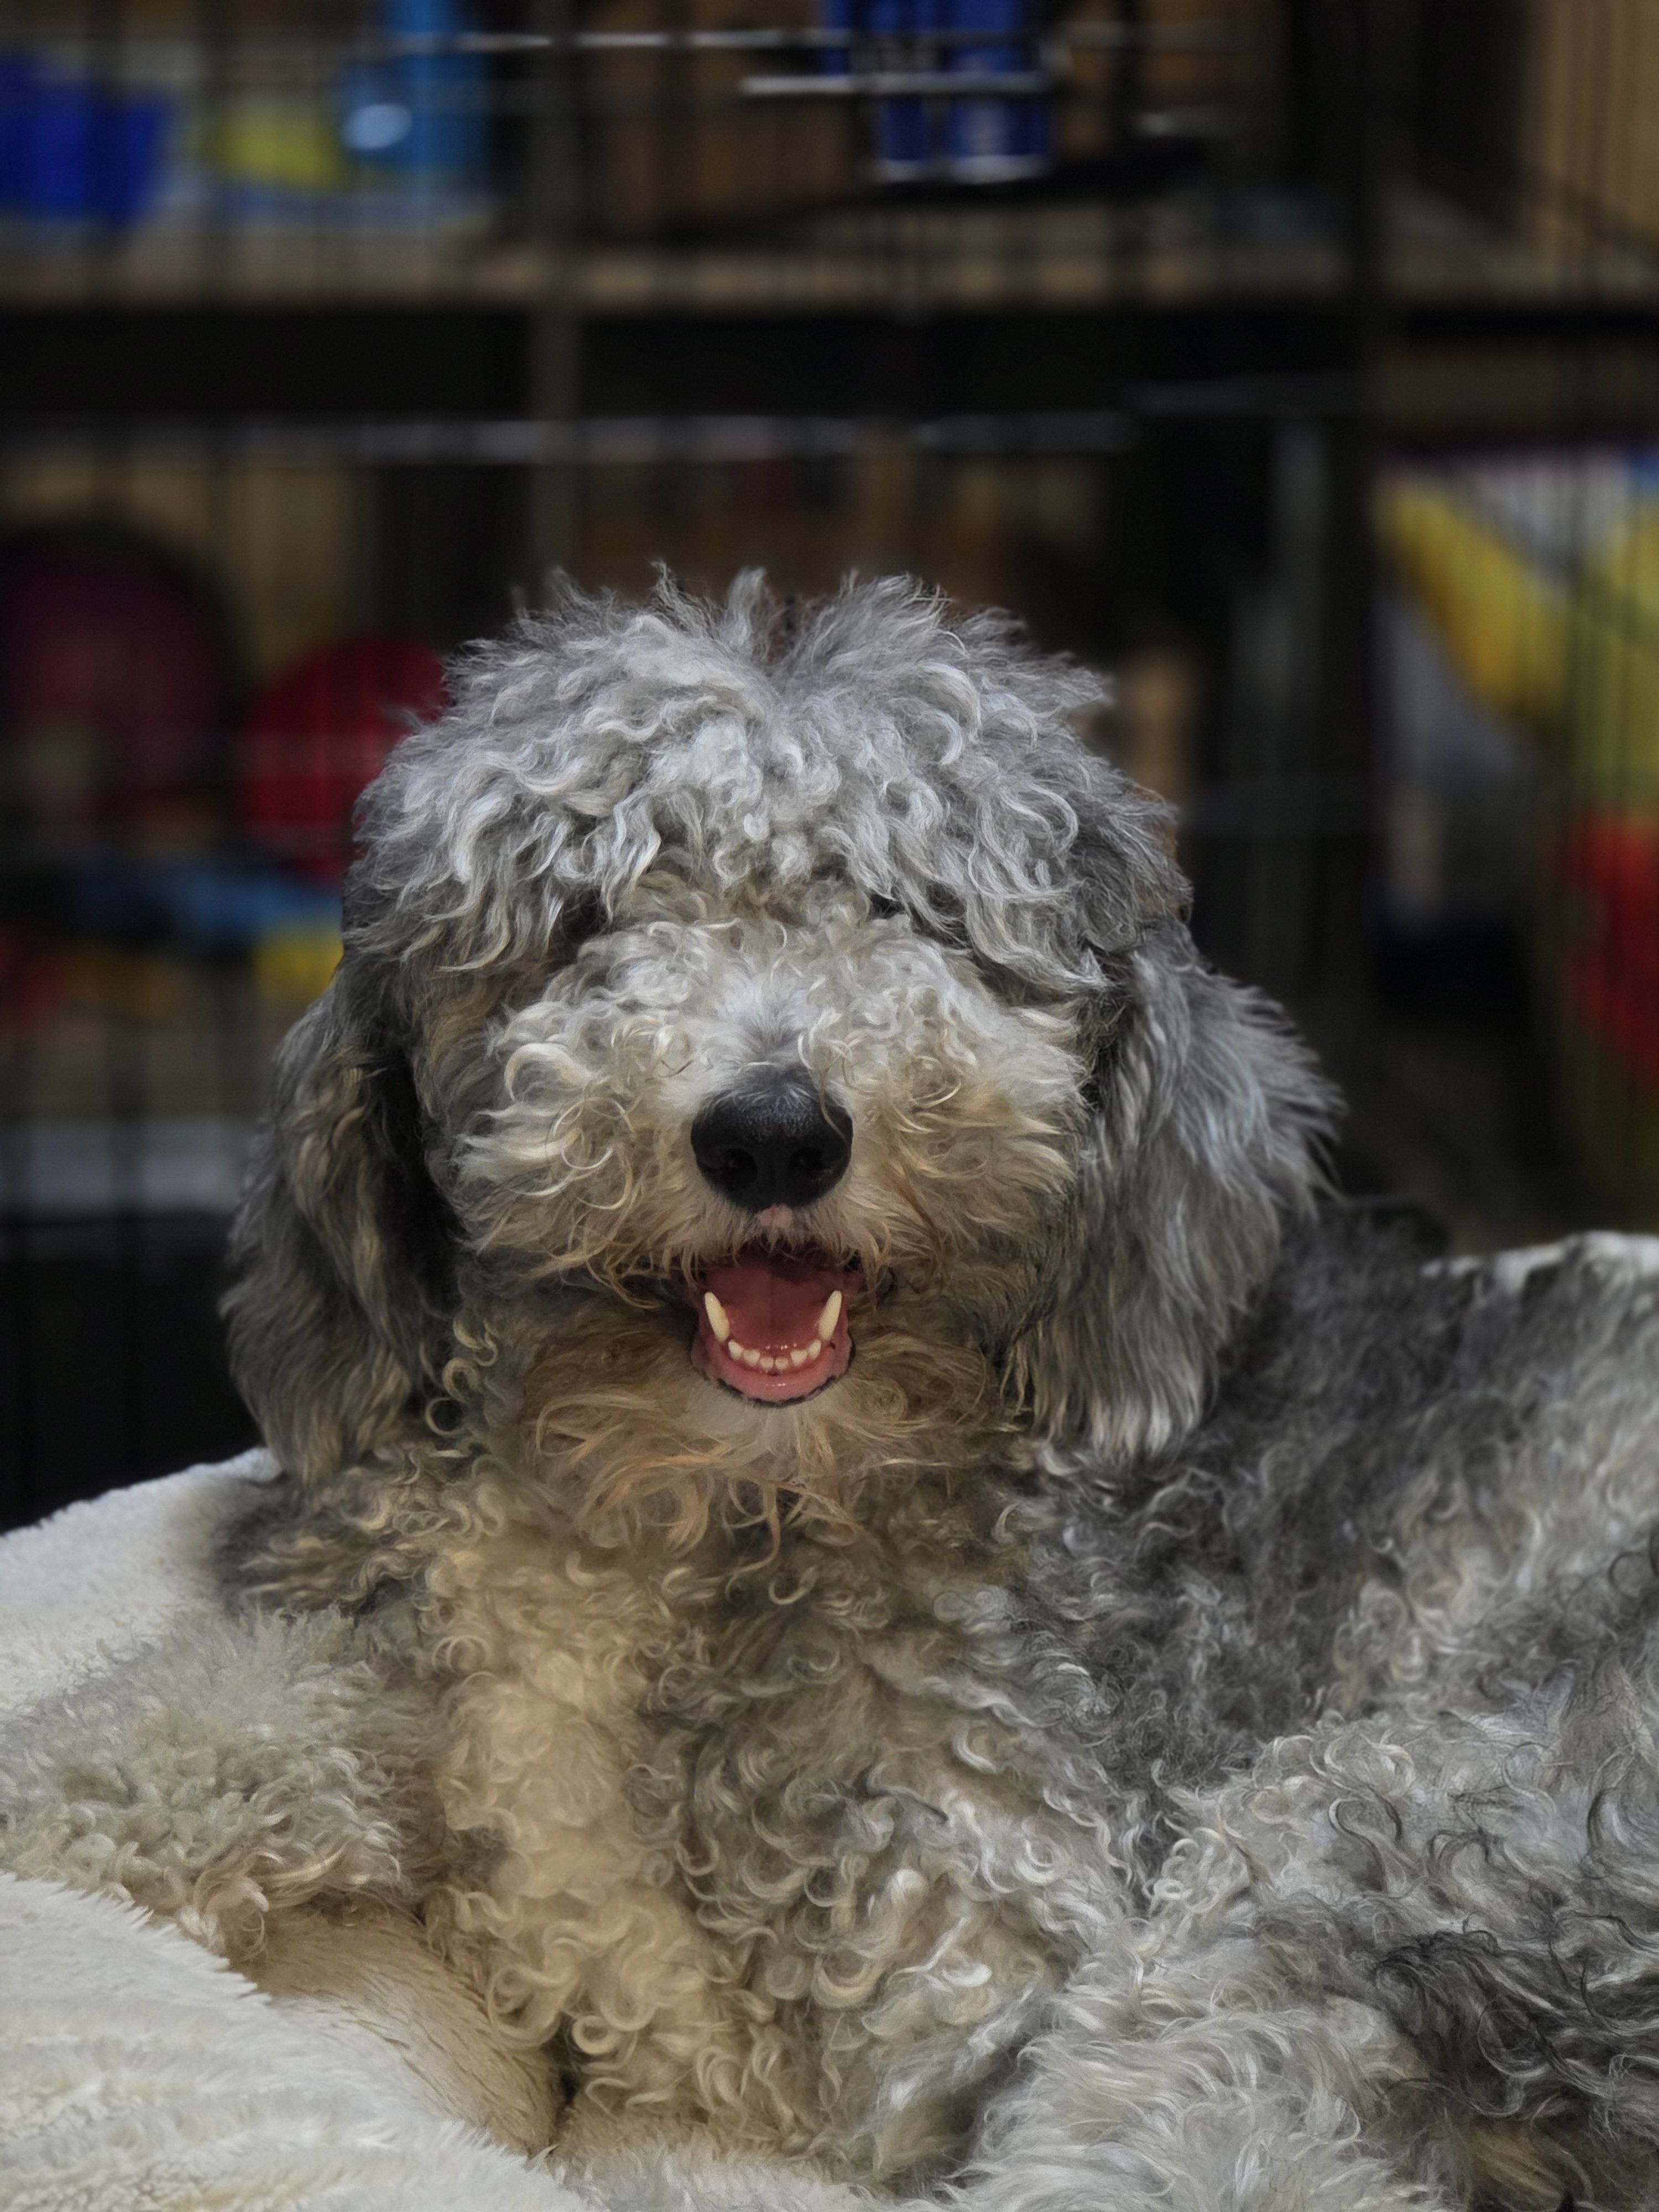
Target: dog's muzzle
<point>771,1323</point>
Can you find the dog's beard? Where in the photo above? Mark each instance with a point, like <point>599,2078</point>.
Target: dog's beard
<point>625,1429</point>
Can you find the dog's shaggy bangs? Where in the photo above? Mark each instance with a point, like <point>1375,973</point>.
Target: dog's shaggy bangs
<point>751,747</point>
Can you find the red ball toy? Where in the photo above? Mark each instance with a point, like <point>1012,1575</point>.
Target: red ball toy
<point>319,733</point>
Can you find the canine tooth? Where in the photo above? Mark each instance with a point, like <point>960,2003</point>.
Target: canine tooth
<point>799,1356</point>
<point>829,1317</point>
<point>716,1313</point>
<point>750,1359</point>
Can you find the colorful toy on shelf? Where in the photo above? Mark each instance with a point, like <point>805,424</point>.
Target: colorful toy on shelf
<point>114,678</point>
<point>1569,654</point>
<point>1572,660</point>
<point>1502,621</point>
<point>210,904</point>
<point>214,906</point>
<point>318,733</point>
<point>395,129</point>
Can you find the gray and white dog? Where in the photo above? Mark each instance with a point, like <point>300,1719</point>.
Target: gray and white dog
<point>863,1553</point>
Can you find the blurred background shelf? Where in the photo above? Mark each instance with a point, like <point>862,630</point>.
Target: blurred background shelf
<point>1182,252</point>
<point>1060,256</point>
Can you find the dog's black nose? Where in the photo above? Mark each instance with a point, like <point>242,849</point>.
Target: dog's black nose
<point>775,1142</point>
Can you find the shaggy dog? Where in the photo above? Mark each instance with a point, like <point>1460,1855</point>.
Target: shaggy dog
<point>864,1558</point>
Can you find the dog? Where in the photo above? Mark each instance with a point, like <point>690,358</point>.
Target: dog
<point>866,1557</point>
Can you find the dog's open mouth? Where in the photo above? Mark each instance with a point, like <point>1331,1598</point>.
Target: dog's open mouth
<point>773,1325</point>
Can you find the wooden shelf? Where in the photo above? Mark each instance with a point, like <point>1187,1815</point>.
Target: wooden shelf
<point>892,258</point>
<point>884,258</point>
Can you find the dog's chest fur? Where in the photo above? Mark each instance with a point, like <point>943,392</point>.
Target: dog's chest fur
<point>796,1839</point>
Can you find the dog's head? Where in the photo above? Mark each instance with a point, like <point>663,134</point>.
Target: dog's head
<point>763,1047</point>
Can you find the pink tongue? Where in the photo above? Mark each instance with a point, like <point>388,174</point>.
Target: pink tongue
<point>774,1304</point>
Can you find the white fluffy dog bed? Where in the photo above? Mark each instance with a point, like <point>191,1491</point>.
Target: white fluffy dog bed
<point>139,2074</point>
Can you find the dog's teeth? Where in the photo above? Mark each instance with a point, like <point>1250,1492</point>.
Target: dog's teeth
<point>781,1362</point>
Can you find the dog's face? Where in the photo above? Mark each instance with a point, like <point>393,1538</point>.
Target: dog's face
<point>798,1168</point>
<point>769,1059</point>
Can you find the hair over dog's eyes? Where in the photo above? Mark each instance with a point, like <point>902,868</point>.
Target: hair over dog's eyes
<point>582,916</point>
<point>938,914</point>
<point>944,919</point>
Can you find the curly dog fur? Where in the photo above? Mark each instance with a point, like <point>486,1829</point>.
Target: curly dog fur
<point>1172,1723</point>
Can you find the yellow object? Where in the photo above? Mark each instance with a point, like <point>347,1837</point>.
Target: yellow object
<point>1612,676</point>
<point>1578,669</point>
<point>1503,626</point>
<point>291,967</point>
<point>291,143</point>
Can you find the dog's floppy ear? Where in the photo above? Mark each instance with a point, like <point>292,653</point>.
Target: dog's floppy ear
<point>339,1324</point>
<point>1205,1141</point>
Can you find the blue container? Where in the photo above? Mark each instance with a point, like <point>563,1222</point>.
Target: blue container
<point>73,150</point>
<point>838,15</point>
<point>419,117</point>
<point>996,141</point>
<point>983,140</point>
<point>908,137</point>
<point>130,143</point>
<point>58,128</point>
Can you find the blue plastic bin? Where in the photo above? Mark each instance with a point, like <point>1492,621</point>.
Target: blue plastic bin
<point>75,150</point>
<point>418,117</point>
<point>982,140</point>
<point>996,141</point>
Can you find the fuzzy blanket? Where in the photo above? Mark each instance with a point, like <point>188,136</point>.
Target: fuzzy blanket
<point>139,2074</point>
